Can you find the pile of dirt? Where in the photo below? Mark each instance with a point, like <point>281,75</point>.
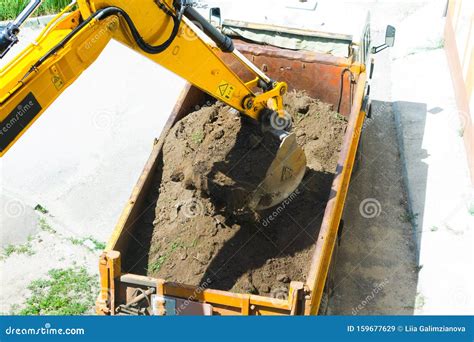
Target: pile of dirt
<point>212,160</point>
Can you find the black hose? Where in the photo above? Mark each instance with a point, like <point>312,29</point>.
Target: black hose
<point>222,41</point>
<point>104,13</point>
<point>341,90</point>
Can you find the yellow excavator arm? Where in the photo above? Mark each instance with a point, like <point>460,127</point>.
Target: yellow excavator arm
<point>156,29</point>
<point>171,33</point>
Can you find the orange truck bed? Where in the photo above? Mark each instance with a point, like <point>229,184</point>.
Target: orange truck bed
<point>320,75</point>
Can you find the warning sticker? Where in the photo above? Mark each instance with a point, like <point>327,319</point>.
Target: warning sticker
<point>225,90</point>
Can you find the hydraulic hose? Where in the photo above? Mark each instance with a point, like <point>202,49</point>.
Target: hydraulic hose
<point>222,41</point>
<point>106,12</point>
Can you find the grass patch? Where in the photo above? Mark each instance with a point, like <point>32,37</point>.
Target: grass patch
<point>9,9</point>
<point>340,117</point>
<point>420,301</point>
<point>197,137</point>
<point>96,244</point>
<point>156,265</point>
<point>69,291</point>
<point>25,248</point>
<point>409,218</point>
<point>193,244</point>
<point>41,209</point>
<point>470,210</point>
<point>44,226</point>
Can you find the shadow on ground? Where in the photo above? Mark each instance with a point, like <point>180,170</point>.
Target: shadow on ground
<point>376,268</point>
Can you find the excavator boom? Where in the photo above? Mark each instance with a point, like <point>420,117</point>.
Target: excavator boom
<point>172,34</point>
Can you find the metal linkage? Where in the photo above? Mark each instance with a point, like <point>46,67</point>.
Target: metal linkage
<point>9,34</point>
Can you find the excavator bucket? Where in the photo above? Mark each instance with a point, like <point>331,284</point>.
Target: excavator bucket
<point>283,176</point>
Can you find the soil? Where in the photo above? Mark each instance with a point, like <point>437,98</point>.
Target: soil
<point>212,160</point>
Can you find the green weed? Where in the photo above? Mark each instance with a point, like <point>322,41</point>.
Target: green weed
<point>44,226</point>
<point>25,248</point>
<point>197,137</point>
<point>156,265</point>
<point>41,209</point>
<point>9,9</point>
<point>69,291</point>
<point>97,245</point>
<point>409,218</point>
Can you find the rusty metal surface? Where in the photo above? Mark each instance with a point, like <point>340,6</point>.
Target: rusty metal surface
<point>318,74</point>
